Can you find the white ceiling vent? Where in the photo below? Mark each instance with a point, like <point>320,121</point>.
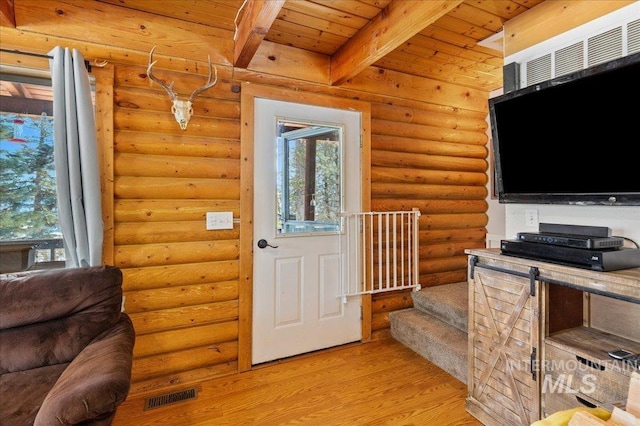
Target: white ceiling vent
<point>610,37</point>
<point>539,70</point>
<point>633,37</point>
<point>605,47</point>
<point>569,59</point>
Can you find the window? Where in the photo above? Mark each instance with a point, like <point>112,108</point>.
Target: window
<point>28,205</point>
<point>309,177</point>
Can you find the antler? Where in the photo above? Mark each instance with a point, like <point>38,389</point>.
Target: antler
<point>207,85</point>
<point>182,109</point>
<point>168,88</point>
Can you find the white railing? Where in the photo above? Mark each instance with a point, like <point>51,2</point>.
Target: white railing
<point>382,252</point>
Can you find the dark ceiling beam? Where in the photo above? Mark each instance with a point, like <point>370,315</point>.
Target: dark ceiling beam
<point>26,106</point>
<point>394,25</point>
<point>7,14</point>
<point>254,25</point>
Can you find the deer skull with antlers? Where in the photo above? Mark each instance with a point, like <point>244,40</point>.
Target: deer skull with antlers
<point>182,109</point>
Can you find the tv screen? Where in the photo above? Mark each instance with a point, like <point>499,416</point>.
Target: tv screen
<point>571,140</point>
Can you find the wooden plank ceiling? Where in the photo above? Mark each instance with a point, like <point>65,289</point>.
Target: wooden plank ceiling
<point>437,39</point>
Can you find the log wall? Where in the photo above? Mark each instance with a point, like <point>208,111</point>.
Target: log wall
<point>181,281</point>
<point>430,157</point>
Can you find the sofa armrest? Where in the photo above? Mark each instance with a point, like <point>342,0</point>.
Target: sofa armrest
<point>95,382</point>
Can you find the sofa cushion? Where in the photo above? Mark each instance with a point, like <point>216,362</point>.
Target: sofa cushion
<point>95,383</point>
<point>22,393</point>
<point>38,330</point>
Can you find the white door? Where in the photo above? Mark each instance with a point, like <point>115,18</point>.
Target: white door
<point>307,171</point>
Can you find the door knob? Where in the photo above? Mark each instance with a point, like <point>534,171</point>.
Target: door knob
<point>263,243</point>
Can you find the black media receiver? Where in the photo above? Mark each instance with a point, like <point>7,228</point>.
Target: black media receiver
<point>578,241</point>
<point>584,230</point>
<point>597,260</point>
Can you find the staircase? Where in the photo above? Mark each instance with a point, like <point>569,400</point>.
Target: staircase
<point>436,326</point>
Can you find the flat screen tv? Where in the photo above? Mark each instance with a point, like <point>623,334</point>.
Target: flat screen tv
<point>573,140</point>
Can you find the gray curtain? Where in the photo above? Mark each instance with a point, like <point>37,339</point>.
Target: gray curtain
<point>76,159</point>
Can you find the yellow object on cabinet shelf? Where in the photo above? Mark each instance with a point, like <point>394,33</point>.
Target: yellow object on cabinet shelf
<point>583,416</point>
<point>562,418</point>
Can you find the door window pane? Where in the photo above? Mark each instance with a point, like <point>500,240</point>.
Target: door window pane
<point>309,177</point>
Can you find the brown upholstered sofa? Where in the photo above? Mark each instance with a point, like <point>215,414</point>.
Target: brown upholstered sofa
<point>66,348</point>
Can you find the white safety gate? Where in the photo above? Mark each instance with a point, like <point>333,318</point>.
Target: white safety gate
<point>386,252</point>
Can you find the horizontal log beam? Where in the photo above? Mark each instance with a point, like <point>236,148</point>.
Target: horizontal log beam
<point>174,318</point>
<point>418,146</point>
<point>429,116</point>
<point>429,206</point>
<point>134,30</point>
<point>211,103</point>
<point>392,83</point>
<point>442,278</point>
<point>419,176</point>
<point>170,166</point>
<point>167,210</point>
<point>177,144</point>
<point>179,275</point>
<point>419,131</point>
<point>254,25</point>
<point>176,188</point>
<point>186,76</point>
<point>433,235</point>
<point>291,63</point>
<point>141,255</point>
<point>442,264</point>
<point>448,249</point>
<point>441,192</point>
<point>396,23</point>
<point>168,232</point>
<point>178,340</point>
<point>453,221</point>
<point>405,160</point>
<point>191,295</point>
<point>387,302</point>
<point>175,362</point>
<point>380,321</point>
<point>277,65</point>
<point>165,123</point>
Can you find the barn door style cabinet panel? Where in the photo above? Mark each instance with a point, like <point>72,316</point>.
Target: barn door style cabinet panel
<point>504,342</point>
<point>539,337</point>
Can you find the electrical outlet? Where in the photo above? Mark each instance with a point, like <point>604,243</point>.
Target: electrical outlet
<point>531,218</point>
<point>219,220</point>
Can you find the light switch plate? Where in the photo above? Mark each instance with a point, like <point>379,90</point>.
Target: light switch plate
<point>219,220</point>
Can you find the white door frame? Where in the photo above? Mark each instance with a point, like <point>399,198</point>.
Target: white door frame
<point>245,296</point>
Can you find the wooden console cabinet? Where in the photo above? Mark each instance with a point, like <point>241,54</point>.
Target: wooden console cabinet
<point>539,336</point>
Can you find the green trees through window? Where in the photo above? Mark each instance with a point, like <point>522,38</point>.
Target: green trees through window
<point>309,177</point>
<point>28,206</point>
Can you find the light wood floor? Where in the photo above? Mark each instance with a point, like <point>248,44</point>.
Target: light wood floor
<point>377,383</point>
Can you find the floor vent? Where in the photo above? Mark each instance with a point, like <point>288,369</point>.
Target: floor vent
<point>170,398</point>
